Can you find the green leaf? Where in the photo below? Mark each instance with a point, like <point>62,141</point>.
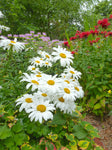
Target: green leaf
<point>14,148</point>
<point>69,137</point>
<point>52,137</point>
<point>20,138</point>
<point>58,119</point>
<point>45,130</point>
<point>83,144</point>
<point>97,106</point>
<point>4,132</point>
<point>9,142</point>
<point>26,147</point>
<point>98,148</point>
<point>80,132</point>
<point>17,127</point>
<point>49,146</point>
<point>94,134</point>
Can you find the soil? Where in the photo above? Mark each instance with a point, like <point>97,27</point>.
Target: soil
<point>105,130</point>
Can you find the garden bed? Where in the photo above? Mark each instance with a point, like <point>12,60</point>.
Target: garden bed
<point>105,130</point>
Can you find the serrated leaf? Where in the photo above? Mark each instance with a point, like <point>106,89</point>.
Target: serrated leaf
<point>94,134</point>
<point>58,119</point>
<point>73,148</point>
<point>17,127</point>
<point>52,137</point>
<point>49,146</point>
<point>98,148</point>
<point>20,138</point>
<point>83,144</point>
<point>80,132</point>
<point>9,142</point>
<point>89,127</point>
<point>14,148</point>
<point>97,106</point>
<point>69,137</point>
<point>73,143</point>
<point>26,147</point>
<point>4,132</point>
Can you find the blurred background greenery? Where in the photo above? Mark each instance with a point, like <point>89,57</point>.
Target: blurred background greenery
<point>55,17</point>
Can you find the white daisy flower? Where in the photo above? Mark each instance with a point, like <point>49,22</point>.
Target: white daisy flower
<point>68,81</point>
<point>32,81</point>
<point>68,92</point>
<point>47,64</point>
<point>63,55</point>
<point>43,95</point>
<point>32,68</point>
<point>37,61</point>
<point>46,56</point>
<point>79,91</point>
<point>40,52</point>
<point>2,27</point>
<point>41,110</point>
<point>26,101</point>
<point>0,87</point>
<point>71,72</point>
<point>1,14</point>
<point>7,44</point>
<point>40,76</point>
<point>65,106</point>
<point>51,84</point>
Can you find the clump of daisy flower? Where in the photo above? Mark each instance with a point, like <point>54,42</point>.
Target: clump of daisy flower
<point>2,27</point>
<point>7,44</point>
<point>50,90</point>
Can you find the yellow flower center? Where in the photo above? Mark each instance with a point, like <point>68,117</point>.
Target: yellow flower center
<point>67,81</point>
<point>46,63</point>
<point>35,82</point>
<point>76,88</point>
<point>37,61</point>
<point>51,82</point>
<point>44,94</point>
<point>33,68</point>
<point>67,90</point>
<point>28,100</point>
<point>47,56</point>
<point>61,99</point>
<point>13,42</point>
<point>38,75</point>
<point>62,55</point>
<point>41,58</point>
<point>41,108</point>
<point>72,72</point>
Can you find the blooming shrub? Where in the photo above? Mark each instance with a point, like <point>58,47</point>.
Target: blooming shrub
<point>92,56</point>
<point>50,91</point>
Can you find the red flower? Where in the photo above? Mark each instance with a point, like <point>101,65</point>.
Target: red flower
<point>84,34</point>
<point>91,42</point>
<point>73,52</point>
<point>97,39</point>
<point>104,23</point>
<point>73,38</point>
<point>110,16</point>
<point>95,32</point>
<point>96,27</point>
<point>66,44</point>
